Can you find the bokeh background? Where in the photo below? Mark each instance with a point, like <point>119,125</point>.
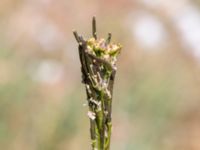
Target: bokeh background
<point>157,89</point>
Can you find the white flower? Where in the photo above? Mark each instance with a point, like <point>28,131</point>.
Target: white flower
<point>91,115</point>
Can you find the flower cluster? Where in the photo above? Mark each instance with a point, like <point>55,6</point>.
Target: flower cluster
<point>104,50</point>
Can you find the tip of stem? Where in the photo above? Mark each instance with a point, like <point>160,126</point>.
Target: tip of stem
<point>94,31</point>
<point>109,38</point>
<point>76,36</point>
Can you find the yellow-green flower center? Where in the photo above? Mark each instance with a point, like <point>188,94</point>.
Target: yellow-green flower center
<point>102,49</point>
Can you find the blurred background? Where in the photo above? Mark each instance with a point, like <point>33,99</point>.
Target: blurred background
<point>157,87</point>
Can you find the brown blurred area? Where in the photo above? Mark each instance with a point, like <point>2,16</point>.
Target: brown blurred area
<point>157,89</point>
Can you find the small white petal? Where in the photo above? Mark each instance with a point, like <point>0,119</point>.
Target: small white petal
<point>91,115</point>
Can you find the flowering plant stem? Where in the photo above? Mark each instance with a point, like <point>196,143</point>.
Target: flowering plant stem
<point>98,65</point>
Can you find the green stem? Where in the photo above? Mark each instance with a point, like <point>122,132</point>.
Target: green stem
<point>102,130</point>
